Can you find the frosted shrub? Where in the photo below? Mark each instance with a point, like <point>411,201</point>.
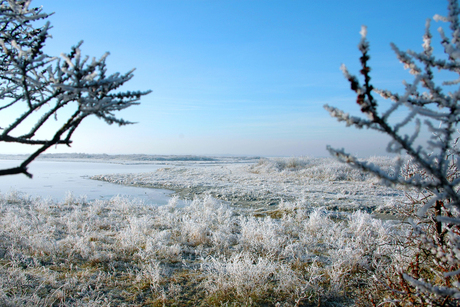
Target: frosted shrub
<point>136,232</point>
<point>241,274</point>
<point>12,196</point>
<point>349,252</point>
<point>360,246</point>
<point>318,224</point>
<point>365,229</point>
<point>432,275</point>
<point>261,235</point>
<point>150,272</point>
<point>70,199</point>
<point>206,221</point>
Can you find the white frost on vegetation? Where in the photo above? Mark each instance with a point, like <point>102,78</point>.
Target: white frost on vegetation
<point>80,253</point>
<point>319,182</point>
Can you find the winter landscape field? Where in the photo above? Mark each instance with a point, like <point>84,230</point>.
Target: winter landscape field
<point>253,232</point>
<point>236,78</point>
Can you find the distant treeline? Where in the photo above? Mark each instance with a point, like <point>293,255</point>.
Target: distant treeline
<point>131,157</point>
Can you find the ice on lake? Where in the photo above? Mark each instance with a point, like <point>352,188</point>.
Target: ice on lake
<point>56,179</point>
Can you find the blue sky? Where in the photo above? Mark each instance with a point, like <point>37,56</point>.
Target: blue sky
<point>237,77</point>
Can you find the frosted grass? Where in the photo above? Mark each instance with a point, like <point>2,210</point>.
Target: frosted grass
<point>211,252</point>
<point>121,252</point>
<point>268,183</point>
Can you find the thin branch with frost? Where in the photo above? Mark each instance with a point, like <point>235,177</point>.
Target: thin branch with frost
<point>427,287</point>
<point>434,169</point>
<point>48,84</point>
<point>417,109</point>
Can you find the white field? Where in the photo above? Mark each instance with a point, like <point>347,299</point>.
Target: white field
<point>270,236</point>
<point>314,182</point>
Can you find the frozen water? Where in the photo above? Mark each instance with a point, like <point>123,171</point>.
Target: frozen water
<point>57,178</point>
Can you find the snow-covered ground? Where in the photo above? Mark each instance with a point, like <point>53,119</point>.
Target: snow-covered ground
<point>264,233</point>
<point>266,183</point>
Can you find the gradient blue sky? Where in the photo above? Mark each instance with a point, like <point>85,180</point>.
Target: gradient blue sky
<point>237,77</point>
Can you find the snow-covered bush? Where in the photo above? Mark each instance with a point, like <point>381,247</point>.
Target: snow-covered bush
<point>431,278</point>
<point>36,85</point>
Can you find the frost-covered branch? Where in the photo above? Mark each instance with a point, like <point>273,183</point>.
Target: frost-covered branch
<point>39,84</point>
<point>433,167</point>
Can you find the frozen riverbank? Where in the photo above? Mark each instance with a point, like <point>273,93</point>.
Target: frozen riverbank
<point>264,185</point>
